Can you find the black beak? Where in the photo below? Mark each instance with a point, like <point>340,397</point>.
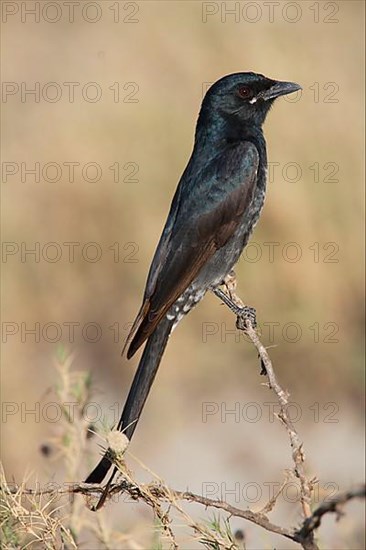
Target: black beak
<point>280,88</point>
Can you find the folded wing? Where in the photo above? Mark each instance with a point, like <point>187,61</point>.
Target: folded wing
<point>203,223</point>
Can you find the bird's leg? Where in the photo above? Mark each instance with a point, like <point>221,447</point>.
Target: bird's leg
<point>230,283</point>
<point>234,303</point>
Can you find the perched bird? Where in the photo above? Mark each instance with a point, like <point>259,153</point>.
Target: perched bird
<point>214,210</point>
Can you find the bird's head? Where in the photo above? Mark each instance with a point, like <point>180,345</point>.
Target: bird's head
<point>245,97</point>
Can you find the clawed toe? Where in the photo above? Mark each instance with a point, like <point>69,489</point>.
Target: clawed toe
<point>245,314</point>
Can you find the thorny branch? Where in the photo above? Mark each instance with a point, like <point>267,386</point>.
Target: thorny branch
<point>303,534</point>
<point>244,323</point>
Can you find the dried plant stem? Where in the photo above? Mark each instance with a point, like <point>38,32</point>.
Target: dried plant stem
<point>298,455</point>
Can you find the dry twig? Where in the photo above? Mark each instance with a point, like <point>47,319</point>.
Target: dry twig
<point>149,492</point>
<point>298,455</point>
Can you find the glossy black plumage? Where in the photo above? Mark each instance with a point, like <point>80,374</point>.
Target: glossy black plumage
<point>215,207</point>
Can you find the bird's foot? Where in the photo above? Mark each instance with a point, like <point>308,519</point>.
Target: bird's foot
<point>242,312</point>
<point>245,314</point>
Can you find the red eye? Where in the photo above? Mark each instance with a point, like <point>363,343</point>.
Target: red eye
<point>244,92</point>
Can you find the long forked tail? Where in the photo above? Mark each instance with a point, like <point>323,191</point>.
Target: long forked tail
<point>139,391</point>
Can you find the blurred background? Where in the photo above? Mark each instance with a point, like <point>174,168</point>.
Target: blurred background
<point>99,105</point>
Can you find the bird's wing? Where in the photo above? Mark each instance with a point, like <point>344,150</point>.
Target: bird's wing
<point>203,223</point>
<point>158,260</point>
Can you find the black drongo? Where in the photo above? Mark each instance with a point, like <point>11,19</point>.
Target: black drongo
<point>214,210</point>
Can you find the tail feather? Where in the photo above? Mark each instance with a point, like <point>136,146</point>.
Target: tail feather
<point>148,322</point>
<point>142,382</point>
<point>141,314</point>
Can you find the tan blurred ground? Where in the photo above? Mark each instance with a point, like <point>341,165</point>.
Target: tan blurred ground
<point>170,54</point>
